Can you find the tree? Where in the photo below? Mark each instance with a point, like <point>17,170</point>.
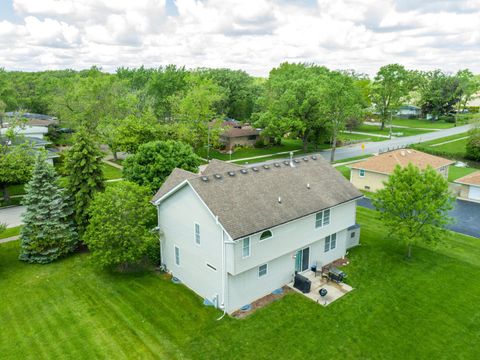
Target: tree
<point>340,100</point>
<point>468,86</point>
<point>390,86</point>
<point>49,231</point>
<point>439,94</point>
<point>154,161</point>
<point>290,102</point>
<point>83,167</point>
<point>414,204</point>
<point>16,161</point>
<point>473,145</point>
<point>121,223</point>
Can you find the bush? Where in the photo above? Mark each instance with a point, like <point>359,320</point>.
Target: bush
<point>448,119</point>
<point>473,146</point>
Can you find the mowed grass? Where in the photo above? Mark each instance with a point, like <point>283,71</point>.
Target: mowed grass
<point>110,172</point>
<point>9,232</point>
<point>426,308</point>
<point>456,147</point>
<point>422,123</point>
<point>445,139</point>
<point>455,172</point>
<point>375,129</point>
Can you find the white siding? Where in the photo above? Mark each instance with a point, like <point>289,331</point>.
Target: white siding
<point>290,237</point>
<point>177,215</point>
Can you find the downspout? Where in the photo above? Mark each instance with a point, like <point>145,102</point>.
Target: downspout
<point>224,273</point>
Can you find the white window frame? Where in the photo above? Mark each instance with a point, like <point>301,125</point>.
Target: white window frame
<point>249,247</point>
<point>266,270</point>
<point>196,236</point>
<point>260,237</point>
<point>361,172</point>
<point>326,245</point>
<point>322,218</point>
<point>330,242</point>
<point>176,255</point>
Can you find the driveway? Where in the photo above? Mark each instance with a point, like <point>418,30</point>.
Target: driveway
<point>466,215</point>
<point>12,216</point>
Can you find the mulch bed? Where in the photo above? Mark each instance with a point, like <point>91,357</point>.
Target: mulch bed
<point>264,301</point>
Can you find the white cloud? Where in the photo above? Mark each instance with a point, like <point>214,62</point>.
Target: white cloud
<point>254,35</point>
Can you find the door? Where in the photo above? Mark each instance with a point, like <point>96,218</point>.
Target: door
<point>302,259</point>
<point>474,193</point>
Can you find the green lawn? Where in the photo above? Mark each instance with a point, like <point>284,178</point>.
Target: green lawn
<point>422,123</point>
<point>365,138</point>
<point>456,147</point>
<point>375,129</point>
<point>345,170</point>
<point>111,172</point>
<point>13,231</point>
<point>455,172</point>
<point>11,202</point>
<point>445,139</point>
<point>426,308</point>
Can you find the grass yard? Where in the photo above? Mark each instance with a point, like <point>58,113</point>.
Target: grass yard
<point>9,232</point>
<point>456,147</point>
<point>455,172</point>
<point>445,139</point>
<point>426,308</point>
<point>345,170</point>
<point>375,129</point>
<point>111,172</point>
<point>422,123</point>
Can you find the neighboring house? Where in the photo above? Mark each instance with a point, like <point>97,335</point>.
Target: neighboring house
<point>470,186</point>
<point>235,234</point>
<point>409,111</point>
<point>235,134</point>
<point>33,131</point>
<point>371,173</point>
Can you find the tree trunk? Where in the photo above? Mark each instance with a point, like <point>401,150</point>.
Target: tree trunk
<point>6,197</point>
<point>409,251</point>
<point>334,146</point>
<point>115,157</point>
<point>383,124</point>
<point>305,141</point>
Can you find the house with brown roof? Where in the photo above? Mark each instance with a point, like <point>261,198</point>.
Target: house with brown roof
<point>236,134</point>
<point>370,174</point>
<point>470,186</point>
<point>234,234</point>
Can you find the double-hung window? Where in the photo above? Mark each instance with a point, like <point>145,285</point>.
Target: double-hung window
<point>262,270</point>
<point>322,218</point>
<point>246,247</point>
<point>361,172</point>
<point>197,234</point>
<point>177,256</point>
<point>330,242</point>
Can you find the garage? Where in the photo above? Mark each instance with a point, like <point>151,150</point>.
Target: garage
<point>474,192</point>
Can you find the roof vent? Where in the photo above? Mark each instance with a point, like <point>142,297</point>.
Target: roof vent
<point>231,173</point>
<point>279,200</point>
<point>296,161</point>
<point>244,171</point>
<point>305,158</point>
<point>286,162</point>
<point>276,164</point>
<point>308,186</point>
<point>205,178</point>
<point>402,153</point>
<point>255,169</point>
<point>409,151</point>
<point>266,167</point>
<point>314,157</point>
<point>218,176</point>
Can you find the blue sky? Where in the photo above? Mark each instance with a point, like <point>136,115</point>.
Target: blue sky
<point>254,35</point>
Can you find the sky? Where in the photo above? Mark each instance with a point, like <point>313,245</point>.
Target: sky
<point>253,35</point>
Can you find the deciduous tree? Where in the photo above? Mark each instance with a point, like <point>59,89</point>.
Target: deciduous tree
<point>414,205</point>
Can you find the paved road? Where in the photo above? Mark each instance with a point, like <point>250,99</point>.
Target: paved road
<point>375,147</point>
<point>465,213</point>
<point>12,215</point>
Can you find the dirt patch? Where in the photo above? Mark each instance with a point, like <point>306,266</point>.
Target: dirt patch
<point>258,304</point>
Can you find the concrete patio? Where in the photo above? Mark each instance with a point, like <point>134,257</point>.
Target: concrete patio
<point>334,290</point>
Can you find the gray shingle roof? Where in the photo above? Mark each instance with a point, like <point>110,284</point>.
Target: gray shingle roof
<point>216,166</point>
<point>175,178</point>
<point>247,203</point>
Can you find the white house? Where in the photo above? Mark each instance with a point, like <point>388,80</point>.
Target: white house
<point>235,234</point>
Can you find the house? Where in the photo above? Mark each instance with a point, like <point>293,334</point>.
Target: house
<point>409,111</point>
<point>371,173</point>
<point>234,234</point>
<point>32,131</point>
<point>470,186</point>
<point>236,134</point>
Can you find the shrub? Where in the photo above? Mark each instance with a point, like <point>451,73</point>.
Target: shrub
<point>473,146</point>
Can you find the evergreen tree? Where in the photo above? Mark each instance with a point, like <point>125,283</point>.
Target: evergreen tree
<point>49,231</point>
<point>83,166</point>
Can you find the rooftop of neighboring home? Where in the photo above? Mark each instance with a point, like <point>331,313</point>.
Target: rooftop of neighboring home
<point>470,179</point>
<point>33,119</point>
<point>234,128</point>
<point>250,200</point>
<point>385,163</point>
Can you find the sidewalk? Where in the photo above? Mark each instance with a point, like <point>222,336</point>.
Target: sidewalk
<point>13,238</point>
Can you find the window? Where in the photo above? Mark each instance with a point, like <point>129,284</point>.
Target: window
<point>197,234</point>
<point>265,235</point>
<point>361,172</point>
<point>262,270</point>
<point>252,137</point>
<point>177,256</point>
<point>352,234</point>
<point>322,218</point>
<point>246,247</point>
<point>330,242</point>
